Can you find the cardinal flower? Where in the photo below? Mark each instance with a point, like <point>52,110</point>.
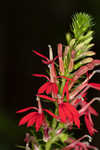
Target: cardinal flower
<point>78,145</point>
<point>51,87</point>
<point>32,118</point>
<point>87,111</point>
<point>35,117</point>
<point>89,124</point>
<point>47,60</point>
<point>48,87</point>
<point>67,112</point>
<point>50,62</point>
<point>88,119</point>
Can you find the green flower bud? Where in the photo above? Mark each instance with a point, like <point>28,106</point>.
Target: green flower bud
<point>72,42</point>
<point>84,61</point>
<point>84,54</point>
<point>68,37</point>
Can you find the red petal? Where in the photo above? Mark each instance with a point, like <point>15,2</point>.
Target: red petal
<point>93,111</point>
<point>41,75</point>
<point>46,97</point>
<point>47,62</point>
<point>77,121</point>
<point>26,109</point>
<point>43,87</point>
<point>49,88</point>
<point>55,58</point>
<point>74,113</point>
<point>65,89</point>
<point>27,117</point>
<point>95,85</point>
<point>41,55</point>
<point>39,122</point>
<point>88,125</point>
<point>62,113</point>
<point>31,121</point>
<point>49,112</point>
<point>55,89</point>
<point>68,114</point>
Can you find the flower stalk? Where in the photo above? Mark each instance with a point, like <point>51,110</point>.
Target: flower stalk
<point>62,99</point>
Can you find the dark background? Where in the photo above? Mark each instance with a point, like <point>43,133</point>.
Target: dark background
<point>27,25</point>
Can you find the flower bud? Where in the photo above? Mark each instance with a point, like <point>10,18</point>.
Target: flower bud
<point>86,60</point>
<point>68,37</point>
<point>72,42</point>
<point>84,54</point>
<point>82,44</point>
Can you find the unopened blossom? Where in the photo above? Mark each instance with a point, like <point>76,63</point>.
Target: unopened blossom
<point>61,63</point>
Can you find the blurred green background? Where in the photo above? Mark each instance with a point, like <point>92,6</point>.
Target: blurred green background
<point>33,24</point>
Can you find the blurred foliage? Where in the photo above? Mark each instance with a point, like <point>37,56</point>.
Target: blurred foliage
<point>10,133</point>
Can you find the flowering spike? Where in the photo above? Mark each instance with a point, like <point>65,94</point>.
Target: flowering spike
<point>64,92</point>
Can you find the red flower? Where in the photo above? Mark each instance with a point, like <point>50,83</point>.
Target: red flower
<point>88,120</point>
<point>94,85</point>
<point>89,124</point>
<point>78,145</point>
<point>32,118</point>
<point>68,112</point>
<point>51,87</point>
<point>48,87</point>
<point>87,114</point>
<point>46,61</point>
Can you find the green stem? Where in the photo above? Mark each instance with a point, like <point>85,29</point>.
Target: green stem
<point>54,122</point>
<point>62,85</point>
<point>50,142</point>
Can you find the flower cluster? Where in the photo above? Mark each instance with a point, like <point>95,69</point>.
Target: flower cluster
<point>67,94</point>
